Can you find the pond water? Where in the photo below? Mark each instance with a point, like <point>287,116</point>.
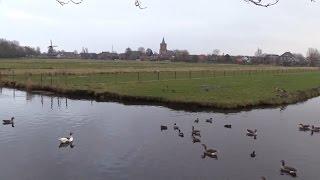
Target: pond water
<point>115,141</point>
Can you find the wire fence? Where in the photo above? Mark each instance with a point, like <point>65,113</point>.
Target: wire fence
<point>51,79</point>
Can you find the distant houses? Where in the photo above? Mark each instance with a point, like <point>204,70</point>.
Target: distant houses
<point>286,59</point>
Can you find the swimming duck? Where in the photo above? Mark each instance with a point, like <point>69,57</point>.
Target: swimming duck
<point>66,139</point>
<point>252,132</point>
<point>253,154</point>
<point>195,140</point>
<point>196,134</point>
<point>175,127</point>
<point>210,152</point>
<point>287,169</point>
<point>197,120</point>
<point>209,120</point>
<point>228,126</point>
<point>181,133</point>
<point>8,121</point>
<point>315,129</point>
<point>304,127</point>
<point>194,130</point>
<point>162,128</point>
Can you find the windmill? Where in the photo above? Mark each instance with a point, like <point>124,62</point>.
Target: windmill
<point>51,51</point>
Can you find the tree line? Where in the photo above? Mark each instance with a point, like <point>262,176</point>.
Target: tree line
<point>12,49</point>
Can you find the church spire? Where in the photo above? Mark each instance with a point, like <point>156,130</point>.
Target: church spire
<point>163,47</point>
<point>163,42</point>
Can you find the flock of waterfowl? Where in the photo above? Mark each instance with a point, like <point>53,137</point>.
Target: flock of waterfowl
<point>196,135</point>
<point>213,153</point>
<point>64,141</point>
<point>307,127</point>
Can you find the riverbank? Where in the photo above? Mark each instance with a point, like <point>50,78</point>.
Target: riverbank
<point>227,98</point>
<point>216,87</point>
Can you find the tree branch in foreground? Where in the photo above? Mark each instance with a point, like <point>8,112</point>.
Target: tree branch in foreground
<point>61,2</point>
<point>138,4</point>
<point>260,3</point>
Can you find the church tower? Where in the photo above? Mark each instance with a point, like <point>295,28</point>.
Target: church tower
<point>163,48</point>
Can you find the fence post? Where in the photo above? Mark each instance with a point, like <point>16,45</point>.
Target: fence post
<point>158,75</point>
<point>175,75</point>
<point>138,76</point>
<point>189,74</point>
<point>224,73</point>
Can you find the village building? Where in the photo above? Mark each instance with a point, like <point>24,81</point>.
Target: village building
<point>67,55</point>
<point>288,59</point>
<point>163,48</point>
<point>108,56</point>
<point>271,59</point>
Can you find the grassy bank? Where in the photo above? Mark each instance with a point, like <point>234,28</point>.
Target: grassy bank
<point>181,84</point>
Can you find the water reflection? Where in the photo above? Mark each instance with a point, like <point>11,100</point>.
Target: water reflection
<point>66,145</point>
<point>204,155</point>
<point>6,124</point>
<point>29,96</point>
<point>51,100</point>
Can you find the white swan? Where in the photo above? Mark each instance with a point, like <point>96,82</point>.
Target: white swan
<point>64,140</point>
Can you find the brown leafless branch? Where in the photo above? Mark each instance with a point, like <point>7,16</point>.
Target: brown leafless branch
<point>260,3</point>
<point>138,4</point>
<point>61,2</point>
<point>64,2</point>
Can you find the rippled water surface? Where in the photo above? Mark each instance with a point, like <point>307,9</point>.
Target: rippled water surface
<point>115,141</point>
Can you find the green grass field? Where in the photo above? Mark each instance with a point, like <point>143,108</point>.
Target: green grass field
<point>219,86</point>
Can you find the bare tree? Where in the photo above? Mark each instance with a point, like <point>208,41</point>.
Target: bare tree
<point>313,56</point>
<point>149,52</point>
<point>142,50</point>
<point>216,52</point>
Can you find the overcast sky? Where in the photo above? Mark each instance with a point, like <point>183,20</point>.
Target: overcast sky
<point>233,26</point>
